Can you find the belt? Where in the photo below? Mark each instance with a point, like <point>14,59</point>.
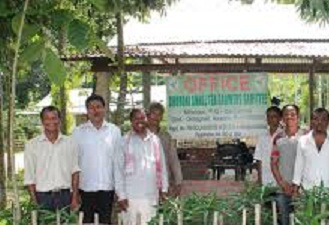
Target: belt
<point>56,191</point>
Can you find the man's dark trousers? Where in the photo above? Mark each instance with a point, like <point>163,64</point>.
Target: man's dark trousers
<point>53,200</point>
<point>99,202</point>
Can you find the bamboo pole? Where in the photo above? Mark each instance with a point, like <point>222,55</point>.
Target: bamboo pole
<point>292,218</point>
<point>58,217</point>
<point>179,218</point>
<point>161,219</point>
<point>323,210</point>
<point>274,213</point>
<point>119,219</point>
<point>34,216</point>
<point>257,214</point>
<point>244,216</point>
<point>96,219</point>
<point>13,212</point>
<point>80,219</point>
<point>139,219</point>
<point>215,222</point>
<point>221,219</point>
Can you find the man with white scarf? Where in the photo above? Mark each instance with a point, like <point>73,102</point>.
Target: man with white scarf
<point>145,171</point>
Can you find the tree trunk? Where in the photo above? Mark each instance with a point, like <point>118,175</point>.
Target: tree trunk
<point>319,89</point>
<point>2,149</point>
<point>146,79</point>
<point>63,109</point>
<point>311,88</point>
<point>11,119</point>
<point>323,91</point>
<point>10,165</point>
<point>62,90</point>
<point>102,89</point>
<point>119,119</point>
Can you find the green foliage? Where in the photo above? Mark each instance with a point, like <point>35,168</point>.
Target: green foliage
<point>78,34</point>
<point>26,127</point>
<point>196,209</point>
<point>45,217</point>
<point>88,24</point>
<point>308,206</point>
<point>31,87</point>
<point>29,30</point>
<point>199,209</point>
<point>30,125</point>
<point>61,18</point>
<point>291,89</point>
<point>57,101</point>
<point>33,51</point>
<point>314,10</point>
<point>54,67</point>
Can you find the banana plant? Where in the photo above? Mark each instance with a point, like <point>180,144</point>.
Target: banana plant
<point>309,206</point>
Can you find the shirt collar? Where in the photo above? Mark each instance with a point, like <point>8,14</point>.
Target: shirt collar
<point>104,124</point>
<point>310,134</point>
<point>147,137</point>
<point>299,133</point>
<point>43,137</point>
<point>278,130</point>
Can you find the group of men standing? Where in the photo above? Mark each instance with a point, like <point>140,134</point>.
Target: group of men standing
<point>96,165</point>
<point>291,158</point>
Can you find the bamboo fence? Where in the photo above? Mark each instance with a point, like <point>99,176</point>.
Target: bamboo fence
<point>218,218</point>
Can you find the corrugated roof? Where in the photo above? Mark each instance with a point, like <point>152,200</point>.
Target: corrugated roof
<point>220,48</point>
<point>226,48</point>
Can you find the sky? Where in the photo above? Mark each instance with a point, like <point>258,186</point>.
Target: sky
<point>203,20</point>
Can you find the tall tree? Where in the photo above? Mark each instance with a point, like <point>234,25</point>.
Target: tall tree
<point>2,149</point>
<point>123,10</point>
<point>121,71</point>
<point>11,119</point>
<point>36,41</point>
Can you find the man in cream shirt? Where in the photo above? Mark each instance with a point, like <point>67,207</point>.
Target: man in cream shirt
<point>51,165</point>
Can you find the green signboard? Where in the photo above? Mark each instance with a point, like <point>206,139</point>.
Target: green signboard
<point>216,105</point>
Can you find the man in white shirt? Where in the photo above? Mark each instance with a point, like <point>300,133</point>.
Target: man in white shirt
<point>264,146</point>
<point>145,171</point>
<point>311,166</point>
<point>100,146</point>
<point>51,165</point>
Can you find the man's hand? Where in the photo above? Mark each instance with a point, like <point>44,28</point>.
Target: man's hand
<point>75,201</point>
<point>177,189</point>
<point>287,188</point>
<point>123,205</point>
<point>295,190</point>
<point>33,199</point>
<point>32,191</point>
<point>163,196</point>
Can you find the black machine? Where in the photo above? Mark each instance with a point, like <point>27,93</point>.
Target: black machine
<point>236,156</point>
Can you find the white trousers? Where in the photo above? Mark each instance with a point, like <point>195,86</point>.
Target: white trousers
<point>139,212</point>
